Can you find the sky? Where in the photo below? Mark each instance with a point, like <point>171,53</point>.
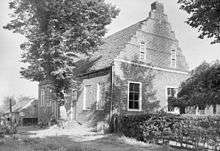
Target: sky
<point>195,50</point>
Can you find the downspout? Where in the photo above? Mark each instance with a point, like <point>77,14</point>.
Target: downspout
<point>112,86</point>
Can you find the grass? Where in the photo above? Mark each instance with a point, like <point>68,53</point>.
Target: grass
<point>77,138</point>
<point>39,144</point>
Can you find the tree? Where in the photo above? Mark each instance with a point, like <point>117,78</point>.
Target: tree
<point>6,103</point>
<point>204,15</point>
<point>58,33</point>
<point>202,88</point>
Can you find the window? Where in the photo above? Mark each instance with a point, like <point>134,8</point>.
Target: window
<point>171,93</point>
<point>173,59</point>
<point>88,100</point>
<point>201,110</point>
<point>42,97</point>
<point>134,96</point>
<point>101,95</point>
<point>142,56</point>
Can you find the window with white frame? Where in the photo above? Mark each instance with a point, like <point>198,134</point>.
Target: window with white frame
<point>134,96</point>
<point>88,100</point>
<point>171,93</point>
<point>142,53</point>
<point>42,97</point>
<point>101,95</point>
<point>173,59</point>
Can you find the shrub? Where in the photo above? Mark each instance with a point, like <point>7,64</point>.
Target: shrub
<point>163,127</point>
<point>8,127</point>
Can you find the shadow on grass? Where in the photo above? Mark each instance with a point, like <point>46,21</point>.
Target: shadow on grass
<point>68,143</point>
<point>90,142</point>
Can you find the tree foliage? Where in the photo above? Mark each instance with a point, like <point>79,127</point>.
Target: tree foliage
<point>202,88</point>
<point>204,15</point>
<point>58,33</point>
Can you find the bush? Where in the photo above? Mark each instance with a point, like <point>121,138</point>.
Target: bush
<point>8,127</point>
<point>163,127</point>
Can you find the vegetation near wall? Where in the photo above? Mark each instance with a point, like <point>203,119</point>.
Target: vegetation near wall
<point>201,89</point>
<point>175,130</point>
<point>134,73</point>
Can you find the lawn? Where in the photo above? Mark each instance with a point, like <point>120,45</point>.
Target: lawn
<point>74,138</point>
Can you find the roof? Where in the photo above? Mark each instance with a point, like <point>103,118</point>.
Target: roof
<point>20,105</point>
<point>112,46</point>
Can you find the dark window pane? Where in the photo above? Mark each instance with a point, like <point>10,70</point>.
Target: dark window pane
<point>173,92</point>
<point>131,86</point>
<point>136,96</point>
<point>169,91</point>
<point>136,105</point>
<point>131,104</point>
<point>136,87</point>
<point>131,96</point>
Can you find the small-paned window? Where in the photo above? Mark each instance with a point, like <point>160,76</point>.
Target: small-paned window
<point>173,59</point>
<point>134,99</point>
<point>142,52</point>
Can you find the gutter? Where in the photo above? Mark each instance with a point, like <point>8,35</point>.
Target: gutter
<point>90,72</point>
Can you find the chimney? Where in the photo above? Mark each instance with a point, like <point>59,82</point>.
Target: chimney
<point>158,7</point>
<point>157,12</point>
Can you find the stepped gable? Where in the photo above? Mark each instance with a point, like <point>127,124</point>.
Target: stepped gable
<point>159,37</point>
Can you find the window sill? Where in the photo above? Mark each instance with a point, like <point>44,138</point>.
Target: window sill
<point>135,110</point>
<point>86,109</point>
<point>99,109</point>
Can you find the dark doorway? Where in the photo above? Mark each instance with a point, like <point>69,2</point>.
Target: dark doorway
<point>29,121</point>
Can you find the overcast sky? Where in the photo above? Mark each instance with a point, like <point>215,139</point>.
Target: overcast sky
<point>132,11</point>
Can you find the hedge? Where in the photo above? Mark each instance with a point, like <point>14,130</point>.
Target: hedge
<point>163,128</point>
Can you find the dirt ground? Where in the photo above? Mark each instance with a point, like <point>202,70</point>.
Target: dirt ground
<point>73,138</point>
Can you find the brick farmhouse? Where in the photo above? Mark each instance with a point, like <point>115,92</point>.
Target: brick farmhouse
<point>149,45</point>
